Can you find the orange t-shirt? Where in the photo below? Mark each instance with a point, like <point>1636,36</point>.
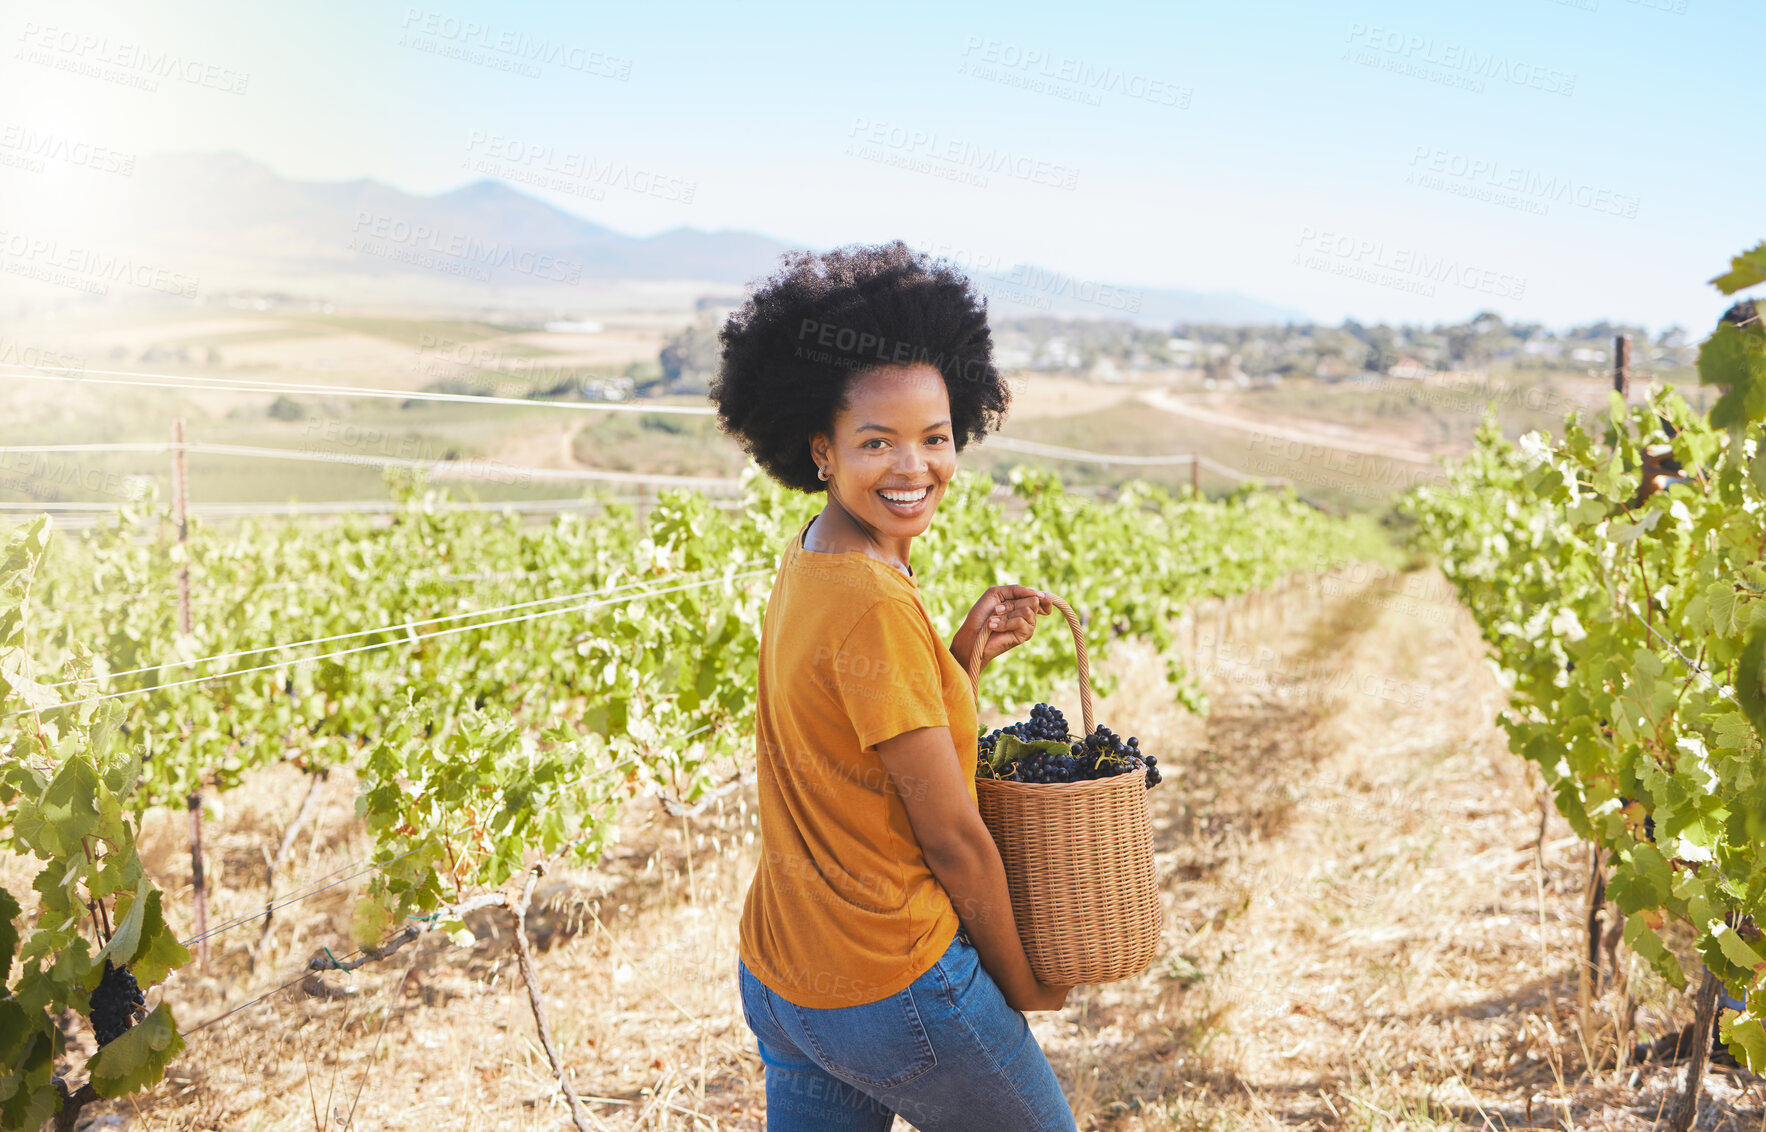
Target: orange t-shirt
<point>843,909</point>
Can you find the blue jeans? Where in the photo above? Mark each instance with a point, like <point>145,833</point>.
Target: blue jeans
<point>946,1053</point>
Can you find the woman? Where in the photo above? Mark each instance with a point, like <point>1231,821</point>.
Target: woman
<point>880,968</point>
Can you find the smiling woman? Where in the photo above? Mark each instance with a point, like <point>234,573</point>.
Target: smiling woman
<point>880,965</point>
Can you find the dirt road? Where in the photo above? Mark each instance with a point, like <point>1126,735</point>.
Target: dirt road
<point>1364,930</point>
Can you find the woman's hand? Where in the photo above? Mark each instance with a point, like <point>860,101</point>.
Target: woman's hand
<point>1007,614</point>
<point>1044,996</point>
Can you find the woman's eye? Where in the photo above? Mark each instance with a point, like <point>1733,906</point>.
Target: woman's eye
<point>875,442</point>
<point>938,440</point>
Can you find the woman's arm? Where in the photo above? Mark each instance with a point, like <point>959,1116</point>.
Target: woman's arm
<point>1007,614</point>
<point>923,769</point>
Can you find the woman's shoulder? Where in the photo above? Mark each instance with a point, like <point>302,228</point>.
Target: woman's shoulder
<point>848,577</point>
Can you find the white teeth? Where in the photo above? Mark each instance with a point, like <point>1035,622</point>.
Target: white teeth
<point>905,496</point>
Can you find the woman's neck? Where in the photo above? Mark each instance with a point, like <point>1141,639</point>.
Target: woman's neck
<point>835,531</point>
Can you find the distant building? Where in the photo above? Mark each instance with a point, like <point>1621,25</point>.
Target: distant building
<point>1104,369</point>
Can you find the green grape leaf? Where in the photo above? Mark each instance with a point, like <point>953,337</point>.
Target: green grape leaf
<point>1746,1038</point>
<point>142,941</point>
<point>1642,880</point>
<point>24,550</point>
<point>370,922</point>
<point>159,952</point>
<point>1720,603</point>
<point>1750,679</point>
<point>1745,270</point>
<point>15,675</point>
<point>8,931</point>
<point>1009,749</point>
<point>124,775</point>
<point>1735,949</point>
<point>69,808</point>
<point>1735,357</point>
<point>1642,939</point>
<point>27,1094</point>
<point>17,1031</point>
<point>138,1059</point>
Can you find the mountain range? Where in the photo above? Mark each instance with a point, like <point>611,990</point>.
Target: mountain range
<point>236,225</point>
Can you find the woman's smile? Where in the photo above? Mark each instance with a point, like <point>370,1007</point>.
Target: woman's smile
<point>890,454</point>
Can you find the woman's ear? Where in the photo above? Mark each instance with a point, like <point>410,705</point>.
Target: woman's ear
<point>818,448</point>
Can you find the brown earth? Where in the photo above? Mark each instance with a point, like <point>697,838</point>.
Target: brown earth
<point>1365,929</point>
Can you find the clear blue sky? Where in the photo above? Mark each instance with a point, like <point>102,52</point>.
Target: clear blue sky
<point>1303,122</point>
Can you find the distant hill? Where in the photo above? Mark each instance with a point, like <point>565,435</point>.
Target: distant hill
<point>235,224</point>
<point>224,209</point>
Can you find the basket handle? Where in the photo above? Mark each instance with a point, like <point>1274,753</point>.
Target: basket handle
<point>1078,649</point>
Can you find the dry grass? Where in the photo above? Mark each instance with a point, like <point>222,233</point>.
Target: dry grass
<point>1364,931</point>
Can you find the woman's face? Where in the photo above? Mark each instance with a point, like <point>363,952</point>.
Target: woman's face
<point>892,450</point>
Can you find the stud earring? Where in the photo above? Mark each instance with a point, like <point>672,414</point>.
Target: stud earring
<point>822,472</point>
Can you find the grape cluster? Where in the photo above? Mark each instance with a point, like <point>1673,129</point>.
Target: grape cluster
<point>114,1004</point>
<point>1099,755</point>
<point>1045,722</point>
<point>1104,753</point>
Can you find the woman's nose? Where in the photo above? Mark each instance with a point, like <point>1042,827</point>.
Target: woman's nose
<point>909,458</point>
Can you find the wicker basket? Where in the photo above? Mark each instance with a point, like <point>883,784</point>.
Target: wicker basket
<point>1079,861</point>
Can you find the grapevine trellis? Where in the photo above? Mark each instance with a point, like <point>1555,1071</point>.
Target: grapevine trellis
<point>493,730</point>
<point>1627,608</point>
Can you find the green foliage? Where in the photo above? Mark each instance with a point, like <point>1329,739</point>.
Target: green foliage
<point>483,743</point>
<point>139,1058</point>
<point>63,785</point>
<point>1632,633</point>
<point>1746,270</point>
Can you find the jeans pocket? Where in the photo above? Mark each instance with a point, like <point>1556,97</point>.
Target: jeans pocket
<point>881,1044</point>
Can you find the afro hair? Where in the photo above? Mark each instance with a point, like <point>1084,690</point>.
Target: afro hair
<point>791,350</point>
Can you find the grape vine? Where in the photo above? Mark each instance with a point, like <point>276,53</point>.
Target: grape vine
<point>498,692</point>
<point>1627,613</point>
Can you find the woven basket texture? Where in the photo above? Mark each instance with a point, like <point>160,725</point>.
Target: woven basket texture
<point>1078,859</point>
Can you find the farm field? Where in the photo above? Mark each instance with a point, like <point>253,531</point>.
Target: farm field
<point>1348,445</point>
<point>1376,915</point>
<point>1336,953</point>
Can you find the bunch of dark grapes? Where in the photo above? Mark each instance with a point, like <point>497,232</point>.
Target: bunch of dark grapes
<point>1104,753</point>
<point>114,1004</point>
<point>1045,722</point>
<point>1099,755</point>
